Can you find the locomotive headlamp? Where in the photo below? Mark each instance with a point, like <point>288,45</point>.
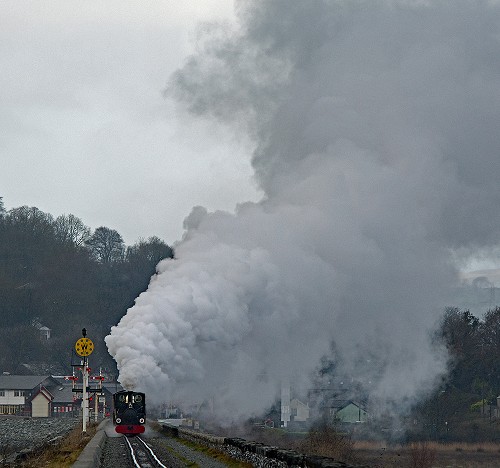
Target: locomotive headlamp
<point>118,420</point>
<point>141,420</point>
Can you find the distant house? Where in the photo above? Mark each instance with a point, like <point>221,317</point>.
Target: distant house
<point>299,411</point>
<point>47,396</point>
<point>41,403</point>
<point>18,391</point>
<point>68,403</point>
<point>44,331</point>
<point>65,402</point>
<point>346,411</point>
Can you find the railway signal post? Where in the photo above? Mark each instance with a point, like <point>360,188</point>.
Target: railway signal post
<point>98,394</point>
<point>84,348</point>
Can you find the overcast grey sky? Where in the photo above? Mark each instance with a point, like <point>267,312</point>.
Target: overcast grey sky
<point>85,128</point>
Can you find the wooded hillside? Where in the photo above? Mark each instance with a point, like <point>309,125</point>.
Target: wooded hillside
<point>58,273</point>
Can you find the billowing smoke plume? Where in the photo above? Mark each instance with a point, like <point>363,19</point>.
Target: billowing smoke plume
<point>378,151</point>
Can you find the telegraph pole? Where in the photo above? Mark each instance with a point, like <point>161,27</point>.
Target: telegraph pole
<point>84,348</point>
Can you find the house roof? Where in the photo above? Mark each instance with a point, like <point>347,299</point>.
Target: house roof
<point>112,387</point>
<point>44,392</point>
<point>297,402</point>
<point>22,382</point>
<point>62,393</point>
<point>341,404</point>
<point>338,404</point>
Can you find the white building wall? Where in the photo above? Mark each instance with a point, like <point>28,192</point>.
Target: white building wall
<point>285,404</point>
<point>39,407</point>
<point>302,413</point>
<point>10,399</point>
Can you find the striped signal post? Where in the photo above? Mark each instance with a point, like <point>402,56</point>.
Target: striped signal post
<point>84,348</point>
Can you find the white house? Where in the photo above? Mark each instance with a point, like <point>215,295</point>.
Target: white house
<point>41,403</point>
<point>17,391</point>
<point>299,410</point>
<point>44,332</point>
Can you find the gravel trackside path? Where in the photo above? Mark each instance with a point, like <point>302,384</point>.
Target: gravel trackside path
<point>24,434</point>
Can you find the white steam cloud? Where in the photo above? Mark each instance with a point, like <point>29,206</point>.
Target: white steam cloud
<point>378,150</point>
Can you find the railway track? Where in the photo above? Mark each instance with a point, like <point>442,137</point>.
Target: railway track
<point>141,454</point>
<point>151,450</point>
<point>166,450</point>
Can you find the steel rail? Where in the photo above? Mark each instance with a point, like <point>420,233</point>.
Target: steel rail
<point>132,453</point>
<point>137,445</point>
<point>152,453</point>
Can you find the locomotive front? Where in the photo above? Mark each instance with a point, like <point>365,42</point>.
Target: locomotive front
<point>129,412</point>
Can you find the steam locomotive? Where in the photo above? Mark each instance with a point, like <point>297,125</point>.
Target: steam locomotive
<point>129,412</point>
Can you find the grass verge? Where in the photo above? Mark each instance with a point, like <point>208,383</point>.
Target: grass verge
<point>215,454</point>
<point>61,454</point>
<point>211,452</point>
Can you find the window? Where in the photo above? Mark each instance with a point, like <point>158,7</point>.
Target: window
<point>18,392</point>
<point>2,392</point>
<point>10,409</point>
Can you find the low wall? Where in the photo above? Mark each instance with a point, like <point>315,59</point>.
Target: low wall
<point>289,457</point>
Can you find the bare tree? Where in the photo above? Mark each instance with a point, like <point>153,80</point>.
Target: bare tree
<point>142,259</point>
<point>149,251</point>
<point>32,220</point>
<point>71,230</point>
<point>106,245</point>
<point>27,239</point>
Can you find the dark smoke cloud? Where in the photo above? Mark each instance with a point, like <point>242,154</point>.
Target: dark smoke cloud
<point>375,125</point>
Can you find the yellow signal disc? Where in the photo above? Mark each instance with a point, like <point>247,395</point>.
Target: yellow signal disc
<point>84,347</point>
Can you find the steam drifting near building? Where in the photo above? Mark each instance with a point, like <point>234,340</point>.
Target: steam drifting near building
<point>377,148</point>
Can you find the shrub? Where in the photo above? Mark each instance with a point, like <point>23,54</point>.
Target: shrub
<point>422,455</point>
<point>325,440</point>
